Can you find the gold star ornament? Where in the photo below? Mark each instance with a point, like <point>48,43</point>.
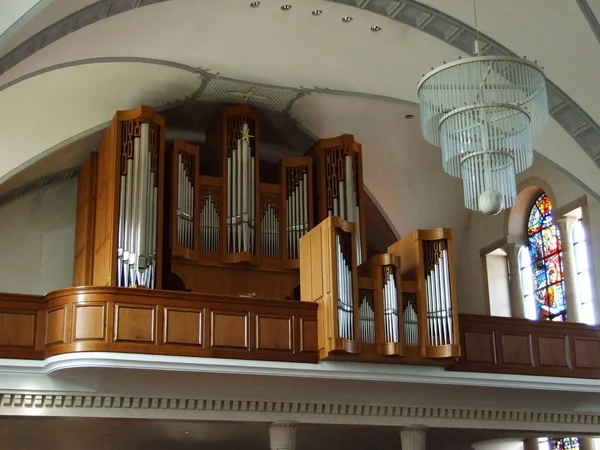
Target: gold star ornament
<point>246,134</point>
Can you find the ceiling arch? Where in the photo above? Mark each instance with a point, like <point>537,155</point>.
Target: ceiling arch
<point>42,112</point>
<point>447,21</point>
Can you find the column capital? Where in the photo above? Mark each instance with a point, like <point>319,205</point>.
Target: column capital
<point>282,435</point>
<point>413,437</point>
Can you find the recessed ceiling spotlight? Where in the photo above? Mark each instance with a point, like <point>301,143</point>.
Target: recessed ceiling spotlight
<point>409,116</point>
<point>375,28</point>
<point>254,4</point>
<point>346,19</point>
<point>286,7</point>
<point>317,12</point>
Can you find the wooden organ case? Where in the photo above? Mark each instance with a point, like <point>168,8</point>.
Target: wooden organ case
<point>214,220</point>
<point>120,206</point>
<point>403,310</point>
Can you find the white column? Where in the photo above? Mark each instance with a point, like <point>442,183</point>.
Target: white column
<point>517,308</point>
<point>282,435</point>
<point>587,443</point>
<point>565,227</point>
<point>531,444</point>
<point>500,444</point>
<point>413,437</point>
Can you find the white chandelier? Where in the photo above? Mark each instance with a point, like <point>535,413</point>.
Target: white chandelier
<point>483,112</point>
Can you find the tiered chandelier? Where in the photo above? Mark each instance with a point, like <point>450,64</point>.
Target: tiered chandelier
<point>483,112</point>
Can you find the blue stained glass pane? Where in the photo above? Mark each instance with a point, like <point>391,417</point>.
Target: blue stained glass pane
<point>545,250</point>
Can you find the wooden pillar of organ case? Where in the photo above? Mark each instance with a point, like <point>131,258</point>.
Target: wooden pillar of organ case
<point>185,221</point>
<point>128,223</point>
<point>428,265</point>
<point>339,184</point>
<point>387,296</point>
<point>235,134</point>
<point>297,218</point>
<point>328,276</point>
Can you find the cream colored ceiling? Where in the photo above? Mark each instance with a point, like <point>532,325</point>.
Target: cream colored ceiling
<point>294,49</point>
<point>76,100</point>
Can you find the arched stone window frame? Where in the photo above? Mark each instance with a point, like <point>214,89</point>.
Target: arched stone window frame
<point>516,241</point>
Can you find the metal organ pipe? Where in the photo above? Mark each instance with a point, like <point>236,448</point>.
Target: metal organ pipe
<point>345,300</point>
<point>296,204</point>
<point>411,326</point>
<point>346,204</point>
<point>209,220</point>
<point>367,321</point>
<point>185,201</point>
<point>269,233</point>
<point>438,296</point>
<point>240,195</point>
<point>136,253</point>
<point>390,305</point>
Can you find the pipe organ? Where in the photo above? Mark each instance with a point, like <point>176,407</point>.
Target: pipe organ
<point>186,175</point>
<point>403,307</point>
<point>328,276</point>
<point>427,263</point>
<point>215,219</point>
<point>127,248</point>
<point>340,184</point>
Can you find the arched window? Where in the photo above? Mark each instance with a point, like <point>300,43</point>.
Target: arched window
<point>545,264</point>
<point>567,443</point>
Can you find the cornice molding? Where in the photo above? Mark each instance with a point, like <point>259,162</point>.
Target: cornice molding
<point>104,406</point>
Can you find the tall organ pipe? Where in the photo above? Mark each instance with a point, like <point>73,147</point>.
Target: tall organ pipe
<point>136,252</point>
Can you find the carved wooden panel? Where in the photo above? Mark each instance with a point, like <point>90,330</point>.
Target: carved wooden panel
<point>308,335</point>
<point>135,323</point>
<point>229,330</point>
<point>17,329</point>
<point>56,326</point>
<point>274,332</point>
<point>89,321</point>
<point>183,326</point>
<point>552,351</point>
<point>586,353</point>
<point>516,349</point>
<point>480,347</point>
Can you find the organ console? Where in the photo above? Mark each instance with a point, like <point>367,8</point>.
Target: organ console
<point>217,219</point>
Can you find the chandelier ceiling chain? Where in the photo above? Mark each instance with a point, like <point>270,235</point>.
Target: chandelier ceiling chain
<point>483,112</point>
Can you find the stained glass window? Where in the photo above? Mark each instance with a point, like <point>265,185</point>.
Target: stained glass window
<point>545,263</point>
<point>566,443</point>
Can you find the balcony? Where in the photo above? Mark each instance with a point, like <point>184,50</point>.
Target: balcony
<point>138,320</point>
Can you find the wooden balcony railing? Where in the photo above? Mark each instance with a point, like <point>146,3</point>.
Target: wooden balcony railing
<point>137,320</point>
<point>525,347</point>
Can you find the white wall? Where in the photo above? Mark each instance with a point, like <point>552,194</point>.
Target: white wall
<point>483,230</point>
<point>37,235</point>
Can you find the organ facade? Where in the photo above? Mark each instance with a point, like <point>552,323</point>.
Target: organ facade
<point>215,219</point>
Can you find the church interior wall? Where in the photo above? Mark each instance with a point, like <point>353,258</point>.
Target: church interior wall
<point>482,231</point>
<point>37,233</point>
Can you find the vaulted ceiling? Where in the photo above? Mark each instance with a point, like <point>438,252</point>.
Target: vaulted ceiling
<point>67,65</point>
